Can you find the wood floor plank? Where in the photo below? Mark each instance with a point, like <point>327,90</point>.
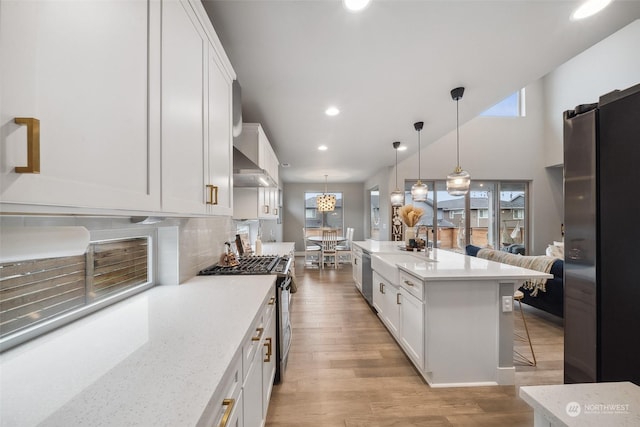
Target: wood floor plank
<point>345,369</point>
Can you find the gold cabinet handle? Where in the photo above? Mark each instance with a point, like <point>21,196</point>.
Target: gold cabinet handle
<point>227,413</point>
<point>269,346</point>
<point>408,283</point>
<point>272,300</point>
<point>213,194</point>
<point>381,288</point>
<point>265,209</point>
<point>397,298</point>
<point>259,337</point>
<point>33,145</point>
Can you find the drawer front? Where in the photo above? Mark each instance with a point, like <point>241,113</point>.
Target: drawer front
<point>226,401</point>
<point>254,340</point>
<point>412,284</point>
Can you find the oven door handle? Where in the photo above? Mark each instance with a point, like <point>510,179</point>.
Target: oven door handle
<point>286,283</point>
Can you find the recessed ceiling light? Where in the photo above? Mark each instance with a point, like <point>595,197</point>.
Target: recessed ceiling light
<point>355,5</point>
<point>589,8</point>
<point>323,148</point>
<point>402,148</point>
<point>332,111</point>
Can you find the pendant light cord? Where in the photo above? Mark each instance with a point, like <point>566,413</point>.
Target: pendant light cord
<point>419,174</point>
<point>396,166</point>
<point>458,131</point>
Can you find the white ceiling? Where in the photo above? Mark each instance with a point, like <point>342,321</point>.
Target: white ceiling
<point>387,67</point>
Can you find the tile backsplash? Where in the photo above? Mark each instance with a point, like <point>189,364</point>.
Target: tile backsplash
<point>202,243</point>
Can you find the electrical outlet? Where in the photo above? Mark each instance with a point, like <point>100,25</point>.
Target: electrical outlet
<point>507,304</point>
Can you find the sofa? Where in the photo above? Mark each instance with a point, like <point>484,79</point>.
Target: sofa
<point>552,300</point>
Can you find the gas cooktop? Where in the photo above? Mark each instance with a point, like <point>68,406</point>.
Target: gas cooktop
<point>256,264</point>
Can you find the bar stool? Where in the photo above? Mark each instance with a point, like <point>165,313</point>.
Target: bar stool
<point>518,296</point>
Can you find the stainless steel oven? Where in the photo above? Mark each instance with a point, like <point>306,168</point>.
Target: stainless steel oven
<point>281,267</point>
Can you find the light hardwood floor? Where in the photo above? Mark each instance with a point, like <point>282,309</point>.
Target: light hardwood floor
<point>345,369</point>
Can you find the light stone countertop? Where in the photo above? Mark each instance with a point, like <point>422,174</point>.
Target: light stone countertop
<point>614,404</point>
<point>377,246</point>
<point>154,359</point>
<point>447,265</point>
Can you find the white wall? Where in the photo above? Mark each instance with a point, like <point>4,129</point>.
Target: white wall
<point>612,64</point>
<point>354,208</point>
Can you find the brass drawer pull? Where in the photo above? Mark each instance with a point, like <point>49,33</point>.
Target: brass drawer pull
<point>33,145</point>
<point>397,298</point>
<point>408,283</point>
<point>259,337</point>
<point>272,300</point>
<point>229,403</point>
<point>381,288</point>
<point>213,194</point>
<point>269,346</point>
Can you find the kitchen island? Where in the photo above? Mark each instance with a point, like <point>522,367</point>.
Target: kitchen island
<point>452,314</point>
<point>159,358</point>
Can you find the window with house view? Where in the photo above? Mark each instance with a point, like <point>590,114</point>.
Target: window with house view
<point>492,214</point>
<point>315,221</point>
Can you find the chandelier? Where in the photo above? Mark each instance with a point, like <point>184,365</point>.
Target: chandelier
<point>326,202</point>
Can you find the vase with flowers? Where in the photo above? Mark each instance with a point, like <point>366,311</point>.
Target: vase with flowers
<point>410,216</point>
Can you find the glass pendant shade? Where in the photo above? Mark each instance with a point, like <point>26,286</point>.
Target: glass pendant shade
<point>397,197</point>
<point>419,191</point>
<point>458,182</point>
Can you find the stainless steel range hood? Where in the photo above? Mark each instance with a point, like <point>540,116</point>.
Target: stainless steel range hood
<point>247,174</point>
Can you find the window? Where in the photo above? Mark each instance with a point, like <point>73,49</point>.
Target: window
<point>319,220</point>
<point>452,214</point>
<point>511,106</point>
<point>518,214</point>
<point>39,295</point>
<point>483,213</point>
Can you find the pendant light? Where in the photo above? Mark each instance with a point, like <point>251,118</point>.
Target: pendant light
<point>419,190</point>
<point>326,202</point>
<point>397,195</point>
<point>459,180</point>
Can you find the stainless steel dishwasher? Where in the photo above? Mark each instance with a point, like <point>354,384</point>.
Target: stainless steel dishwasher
<point>367,278</point>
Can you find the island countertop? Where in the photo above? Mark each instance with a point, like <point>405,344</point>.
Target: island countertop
<point>153,359</point>
<point>447,265</point>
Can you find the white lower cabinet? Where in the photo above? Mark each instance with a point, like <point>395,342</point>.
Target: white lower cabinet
<point>259,366</point>
<point>412,327</point>
<point>225,407</point>
<point>356,254</point>
<point>402,310</point>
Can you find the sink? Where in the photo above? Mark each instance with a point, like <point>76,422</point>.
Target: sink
<point>385,264</point>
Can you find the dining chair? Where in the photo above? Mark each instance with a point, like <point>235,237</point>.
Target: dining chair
<point>344,249</point>
<point>329,243</point>
<point>312,251</point>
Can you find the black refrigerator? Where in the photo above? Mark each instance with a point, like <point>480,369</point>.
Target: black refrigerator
<point>602,239</point>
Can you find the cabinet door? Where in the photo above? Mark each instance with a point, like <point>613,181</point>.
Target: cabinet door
<point>219,135</point>
<point>268,363</point>
<point>412,327</point>
<point>391,308</point>
<point>184,50</point>
<point>83,70</point>
<point>379,286</point>
<point>252,392</point>
<point>357,270</point>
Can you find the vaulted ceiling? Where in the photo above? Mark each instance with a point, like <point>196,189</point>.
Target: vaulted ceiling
<point>388,66</point>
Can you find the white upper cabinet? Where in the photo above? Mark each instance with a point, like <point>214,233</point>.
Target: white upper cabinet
<point>134,103</point>
<point>196,117</point>
<point>86,71</point>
